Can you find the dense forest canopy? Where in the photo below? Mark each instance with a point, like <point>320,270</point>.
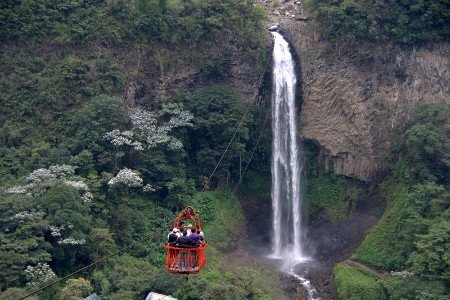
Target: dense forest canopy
<point>404,21</point>
<point>84,174</point>
<point>85,171</point>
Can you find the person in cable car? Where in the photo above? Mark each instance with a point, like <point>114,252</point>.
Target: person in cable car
<point>186,254</point>
<point>173,235</point>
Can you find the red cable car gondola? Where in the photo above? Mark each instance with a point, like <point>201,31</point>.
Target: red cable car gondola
<point>181,259</point>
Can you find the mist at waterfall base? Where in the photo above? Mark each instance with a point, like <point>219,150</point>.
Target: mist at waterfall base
<point>288,233</point>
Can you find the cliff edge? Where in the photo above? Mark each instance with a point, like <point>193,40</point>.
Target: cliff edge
<point>353,107</point>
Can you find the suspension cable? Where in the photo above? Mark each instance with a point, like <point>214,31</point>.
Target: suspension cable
<point>76,272</point>
<point>253,152</point>
<point>228,146</point>
<point>135,243</point>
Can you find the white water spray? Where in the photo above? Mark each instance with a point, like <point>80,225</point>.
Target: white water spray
<point>286,201</point>
<point>286,196</point>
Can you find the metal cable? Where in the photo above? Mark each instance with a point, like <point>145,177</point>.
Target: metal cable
<point>251,155</point>
<point>228,146</point>
<point>133,244</point>
<point>76,272</point>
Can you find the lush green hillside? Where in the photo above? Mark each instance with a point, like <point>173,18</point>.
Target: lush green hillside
<point>405,21</point>
<point>84,173</point>
<point>413,236</point>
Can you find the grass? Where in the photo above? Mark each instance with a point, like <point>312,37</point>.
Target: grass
<point>354,284</point>
<point>402,287</point>
<point>327,194</point>
<point>221,215</point>
<point>385,246</point>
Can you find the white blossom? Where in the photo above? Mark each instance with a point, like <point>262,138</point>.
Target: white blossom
<point>40,175</point>
<point>401,273</point>
<point>78,185</point>
<point>175,144</point>
<point>27,215</point>
<point>71,241</point>
<point>143,120</point>
<point>39,274</point>
<point>148,188</point>
<point>126,177</point>
<point>137,145</point>
<point>17,190</point>
<point>183,119</point>
<point>55,231</point>
<point>120,138</point>
<point>87,197</point>
<point>42,178</point>
<point>62,170</point>
<point>146,133</point>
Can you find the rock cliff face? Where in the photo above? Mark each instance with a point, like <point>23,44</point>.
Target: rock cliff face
<point>154,74</point>
<point>353,109</point>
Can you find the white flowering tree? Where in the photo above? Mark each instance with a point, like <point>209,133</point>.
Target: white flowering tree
<point>50,210</point>
<point>38,182</point>
<point>126,178</point>
<point>150,129</point>
<point>39,274</point>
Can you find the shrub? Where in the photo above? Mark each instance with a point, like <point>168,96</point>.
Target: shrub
<point>76,289</point>
<point>404,287</point>
<point>327,193</point>
<point>401,21</point>
<point>221,215</point>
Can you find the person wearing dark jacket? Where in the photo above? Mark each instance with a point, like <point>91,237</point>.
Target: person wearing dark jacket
<point>184,240</point>
<point>194,239</point>
<point>183,257</point>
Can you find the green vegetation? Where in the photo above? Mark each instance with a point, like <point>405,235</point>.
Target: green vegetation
<point>406,286</point>
<point>83,174</point>
<point>222,215</point>
<point>119,22</point>
<point>386,246</point>
<point>412,238</point>
<point>414,232</point>
<point>353,284</point>
<point>244,283</point>
<point>404,22</point>
<point>327,194</point>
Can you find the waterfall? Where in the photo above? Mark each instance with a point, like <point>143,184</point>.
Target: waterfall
<point>286,197</point>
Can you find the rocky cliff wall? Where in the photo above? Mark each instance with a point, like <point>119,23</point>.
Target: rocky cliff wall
<point>354,109</point>
<point>156,73</point>
<point>351,108</point>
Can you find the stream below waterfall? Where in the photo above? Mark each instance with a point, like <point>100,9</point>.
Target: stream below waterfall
<point>303,253</point>
<point>287,231</point>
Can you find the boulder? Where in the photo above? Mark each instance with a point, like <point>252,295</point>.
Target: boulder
<point>274,27</point>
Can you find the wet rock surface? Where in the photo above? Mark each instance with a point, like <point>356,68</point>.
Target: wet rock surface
<point>329,243</point>
<point>355,102</point>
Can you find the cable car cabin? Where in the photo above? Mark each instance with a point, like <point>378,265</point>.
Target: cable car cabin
<point>186,260</point>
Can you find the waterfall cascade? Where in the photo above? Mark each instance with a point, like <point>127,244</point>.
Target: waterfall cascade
<point>286,197</point>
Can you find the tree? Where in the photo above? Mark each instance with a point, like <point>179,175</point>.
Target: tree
<point>97,117</point>
<point>218,112</point>
<point>433,250</point>
<point>76,289</point>
<point>427,144</point>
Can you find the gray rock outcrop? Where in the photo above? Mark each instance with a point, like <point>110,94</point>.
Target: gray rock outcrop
<point>355,105</point>
<point>353,109</point>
